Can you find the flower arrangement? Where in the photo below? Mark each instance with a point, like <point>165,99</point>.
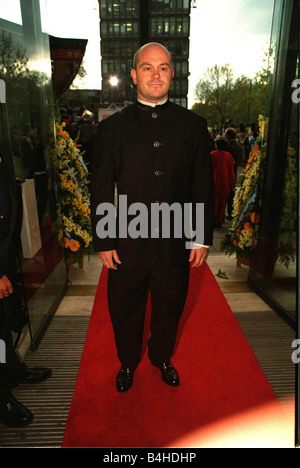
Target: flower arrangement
<point>242,236</point>
<point>287,240</point>
<point>73,210</point>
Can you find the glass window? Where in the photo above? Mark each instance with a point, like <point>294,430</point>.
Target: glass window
<point>157,6</point>
<point>275,271</point>
<point>28,115</point>
<point>135,28</point>
<point>103,26</point>
<point>109,8</point>
<point>172,26</point>
<point>103,9</point>
<point>105,66</point>
<point>116,28</point>
<point>116,8</point>
<point>153,26</point>
<point>178,68</point>
<point>185,28</point>
<point>159,30</point>
<point>136,8</point>
<point>122,8</point>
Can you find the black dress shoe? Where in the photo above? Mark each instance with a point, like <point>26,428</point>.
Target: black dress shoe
<point>33,376</point>
<point>169,374</point>
<point>14,414</point>
<point>124,379</point>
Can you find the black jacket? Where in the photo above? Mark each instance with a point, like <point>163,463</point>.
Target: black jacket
<point>8,209</point>
<point>154,155</point>
<point>235,149</point>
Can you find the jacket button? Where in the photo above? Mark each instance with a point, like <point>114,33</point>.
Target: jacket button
<point>154,115</point>
<point>158,173</point>
<point>156,144</point>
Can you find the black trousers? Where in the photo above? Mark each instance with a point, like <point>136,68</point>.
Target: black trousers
<point>13,369</point>
<point>128,291</point>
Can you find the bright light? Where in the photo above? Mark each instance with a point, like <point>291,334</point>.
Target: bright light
<point>114,81</point>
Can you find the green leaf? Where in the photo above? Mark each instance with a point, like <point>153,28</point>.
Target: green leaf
<point>222,274</point>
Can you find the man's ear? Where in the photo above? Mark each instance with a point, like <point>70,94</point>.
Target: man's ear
<point>133,75</point>
<point>172,74</point>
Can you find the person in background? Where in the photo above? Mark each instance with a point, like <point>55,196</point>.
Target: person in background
<point>235,149</point>
<point>248,142</point>
<point>224,178</point>
<point>12,371</point>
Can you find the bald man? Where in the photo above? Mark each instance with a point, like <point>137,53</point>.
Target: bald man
<point>155,152</point>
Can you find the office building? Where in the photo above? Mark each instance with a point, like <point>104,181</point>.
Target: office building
<point>125,26</point>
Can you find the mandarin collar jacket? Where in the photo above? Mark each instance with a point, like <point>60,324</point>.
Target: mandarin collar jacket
<point>152,154</point>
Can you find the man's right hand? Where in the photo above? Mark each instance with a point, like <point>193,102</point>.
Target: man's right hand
<point>5,287</point>
<point>109,259</point>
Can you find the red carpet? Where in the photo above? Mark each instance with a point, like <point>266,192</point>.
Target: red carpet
<point>220,377</point>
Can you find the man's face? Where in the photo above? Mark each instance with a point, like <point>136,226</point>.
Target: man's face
<point>153,74</point>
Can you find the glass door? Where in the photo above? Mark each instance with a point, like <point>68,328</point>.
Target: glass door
<point>25,68</point>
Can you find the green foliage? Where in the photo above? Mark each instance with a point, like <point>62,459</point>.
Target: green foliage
<point>241,238</point>
<point>23,84</point>
<point>223,100</point>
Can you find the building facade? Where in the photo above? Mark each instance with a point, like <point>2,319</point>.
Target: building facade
<point>127,25</point>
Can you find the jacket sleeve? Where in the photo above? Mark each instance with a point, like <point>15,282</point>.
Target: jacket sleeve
<point>203,185</point>
<point>103,189</point>
<point>4,226</point>
<point>4,248</point>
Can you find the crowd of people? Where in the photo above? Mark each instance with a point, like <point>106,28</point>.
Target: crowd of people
<point>82,128</point>
<point>229,150</point>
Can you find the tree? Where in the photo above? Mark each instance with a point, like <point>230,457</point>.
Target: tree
<point>214,92</point>
<point>13,60</point>
<point>21,83</point>
<point>78,82</point>
<point>263,81</point>
<point>224,101</point>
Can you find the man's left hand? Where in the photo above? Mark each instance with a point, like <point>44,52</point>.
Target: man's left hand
<point>198,256</point>
<point>5,287</point>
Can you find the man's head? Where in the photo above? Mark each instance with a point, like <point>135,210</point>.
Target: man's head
<point>152,72</point>
<point>221,144</point>
<point>230,134</point>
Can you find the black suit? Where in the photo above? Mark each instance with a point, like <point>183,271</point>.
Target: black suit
<point>13,369</point>
<point>154,155</point>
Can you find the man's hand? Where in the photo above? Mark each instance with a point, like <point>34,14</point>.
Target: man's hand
<point>109,259</point>
<point>198,256</point>
<point>5,287</point>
